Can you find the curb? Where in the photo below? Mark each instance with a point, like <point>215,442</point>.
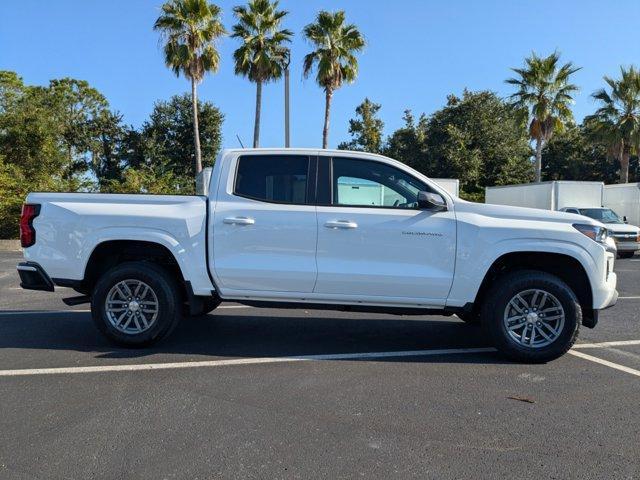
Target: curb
<point>10,246</point>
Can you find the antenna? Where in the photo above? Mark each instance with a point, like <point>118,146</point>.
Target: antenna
<point>238,137</point>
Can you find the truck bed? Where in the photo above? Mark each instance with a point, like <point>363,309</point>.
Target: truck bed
<point>71,225</point>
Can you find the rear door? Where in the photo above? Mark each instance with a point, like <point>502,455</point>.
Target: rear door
<point>374,241</point>
<point>264,224</point>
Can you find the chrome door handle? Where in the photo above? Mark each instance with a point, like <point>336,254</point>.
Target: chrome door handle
<point>239,221</point>
<point>341,224</point>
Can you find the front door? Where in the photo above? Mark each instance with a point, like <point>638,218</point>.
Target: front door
<point>374,241</point>
<point>264,225</point>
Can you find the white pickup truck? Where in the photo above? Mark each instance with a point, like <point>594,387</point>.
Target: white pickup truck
<point>321,229</point>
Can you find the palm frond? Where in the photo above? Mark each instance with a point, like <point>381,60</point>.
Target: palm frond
<point>544,92</point>
<point>335,45</point>
<point>261,54</point>
<point>189,30</point>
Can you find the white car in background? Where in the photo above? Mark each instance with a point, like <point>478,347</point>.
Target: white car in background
<point>627,237</point>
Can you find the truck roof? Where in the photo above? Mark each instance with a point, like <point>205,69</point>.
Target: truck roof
<point>317,151</point>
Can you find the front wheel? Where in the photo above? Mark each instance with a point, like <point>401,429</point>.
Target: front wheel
<point>532,316</point>
<point>136,304</point>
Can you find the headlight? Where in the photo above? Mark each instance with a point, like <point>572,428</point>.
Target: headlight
<point>598,234</point>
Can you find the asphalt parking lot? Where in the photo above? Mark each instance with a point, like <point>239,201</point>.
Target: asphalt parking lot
<point>222,398</point>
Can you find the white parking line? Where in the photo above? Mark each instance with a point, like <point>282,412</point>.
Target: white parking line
<point>239,361</point>
<point>629,298</point>
<point>619,343</point>
<point>48,312</point>
<point>606,363</point>
<point>85,310</point>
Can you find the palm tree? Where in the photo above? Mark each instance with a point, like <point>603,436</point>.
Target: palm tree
<point>189,29</point>
<point>544,98</point>
<point>262,54</point>
<point>336,44</point>
<point>617,121</point>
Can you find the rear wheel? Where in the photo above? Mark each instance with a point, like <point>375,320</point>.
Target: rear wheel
<point>532,316</point>
<point>136,304</point>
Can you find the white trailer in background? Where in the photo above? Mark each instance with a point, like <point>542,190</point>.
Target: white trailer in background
<point>451,185</point>
<point>624,199</point>
<point>547,195</point>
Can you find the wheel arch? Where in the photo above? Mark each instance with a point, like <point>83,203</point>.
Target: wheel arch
<point>564,266</point>
<point>109,253</point>
<point>188,254</point>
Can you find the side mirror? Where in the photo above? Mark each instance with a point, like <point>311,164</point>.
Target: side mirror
<point>431,201</point>
<point>624,219</point>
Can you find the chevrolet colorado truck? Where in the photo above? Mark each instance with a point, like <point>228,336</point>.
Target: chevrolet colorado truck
<point>321,229</point>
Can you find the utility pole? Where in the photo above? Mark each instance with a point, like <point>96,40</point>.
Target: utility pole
<point>286,61</point>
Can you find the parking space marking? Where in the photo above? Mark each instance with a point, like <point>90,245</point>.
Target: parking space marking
<point>86,310</point>
<point>629,298</point>
<point>619,343</point>
<point>606,363</point>
<point>239,361</point>
<point>48,312</point>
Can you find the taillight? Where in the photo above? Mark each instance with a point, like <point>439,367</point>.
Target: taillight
<point>27,232</point>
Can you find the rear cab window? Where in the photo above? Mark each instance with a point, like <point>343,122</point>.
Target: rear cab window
<point>273,178</point>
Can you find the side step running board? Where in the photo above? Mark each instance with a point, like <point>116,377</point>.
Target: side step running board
<point>71,301</point>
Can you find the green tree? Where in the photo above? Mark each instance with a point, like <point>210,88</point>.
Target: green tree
<point>366,130</point>
<point>478,139</point>
<point>544,97</point>
<point>164,146</point>
<point>406,144</point>
<point>153,178</point>
<point>189,29</point>
<point>32,148</point>
<point>77,107</point>
<point>574,154</point>
<point>617,121</point>
<point>334,56</point>
<point>108,150</point>
<point>11,89</point>
<point>261,56</point>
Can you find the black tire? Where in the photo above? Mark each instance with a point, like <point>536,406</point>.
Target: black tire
<point>626,254</point>
<point>163,287</point>
<point>494,311</point>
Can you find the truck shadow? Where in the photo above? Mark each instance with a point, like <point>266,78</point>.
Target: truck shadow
<point>243,335</point>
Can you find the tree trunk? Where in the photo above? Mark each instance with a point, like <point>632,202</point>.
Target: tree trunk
<point>196,129</point>
<point>538,159</point>
<point>624,167</point>
<point>256,125</point>
<point>327,112</point>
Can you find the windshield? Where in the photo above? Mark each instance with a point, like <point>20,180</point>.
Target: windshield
<point>604,215</point>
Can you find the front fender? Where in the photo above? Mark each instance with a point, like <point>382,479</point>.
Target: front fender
<point>472,265</point>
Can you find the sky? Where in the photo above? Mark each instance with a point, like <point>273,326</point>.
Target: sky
<point>418,52</point>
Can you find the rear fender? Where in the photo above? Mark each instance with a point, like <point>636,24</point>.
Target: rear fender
<point>190,258</point>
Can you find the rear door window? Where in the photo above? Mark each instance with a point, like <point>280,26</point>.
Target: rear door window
<point>273,178</point>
